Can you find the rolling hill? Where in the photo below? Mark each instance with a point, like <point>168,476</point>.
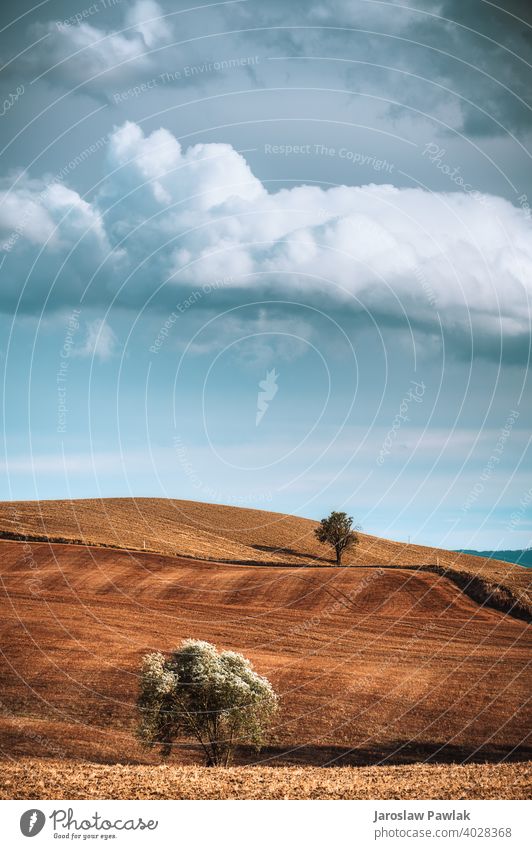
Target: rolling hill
<point>372,664</point>
<point>383,662</point>
<point>242,536</point>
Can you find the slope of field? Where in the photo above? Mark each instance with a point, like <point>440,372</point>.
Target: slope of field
<point>230,534</point>
<point>373,665</point>
<point>40,779</point>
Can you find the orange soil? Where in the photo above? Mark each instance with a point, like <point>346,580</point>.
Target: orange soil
<point>373,665</point>
<point>229,534</point>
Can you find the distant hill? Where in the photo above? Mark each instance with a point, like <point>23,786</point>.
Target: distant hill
<point>521,556</point>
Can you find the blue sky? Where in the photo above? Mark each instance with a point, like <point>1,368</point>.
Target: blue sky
<point>274,255</point>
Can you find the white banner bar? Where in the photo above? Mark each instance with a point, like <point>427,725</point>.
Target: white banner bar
<point>263,825</point>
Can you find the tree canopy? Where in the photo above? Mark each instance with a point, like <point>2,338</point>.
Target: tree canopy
<point>338,530</point>
<point>214,696</point>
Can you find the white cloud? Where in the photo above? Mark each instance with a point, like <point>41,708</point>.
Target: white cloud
<point>31,210</point>
<point>393,250</point>
<point>100,341</point>
<point>77,51</point>
<point>146,16</point>
<point>49,221</point>
<point>199,214</point>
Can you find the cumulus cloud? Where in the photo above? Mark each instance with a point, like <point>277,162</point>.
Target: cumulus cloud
<point>78,50</point>
<point>50,240</point>
<point>463,257</point>
<point>42,211</point>
<point>196,215</point>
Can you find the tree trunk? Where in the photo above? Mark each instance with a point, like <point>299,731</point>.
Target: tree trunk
<point>338,556</point>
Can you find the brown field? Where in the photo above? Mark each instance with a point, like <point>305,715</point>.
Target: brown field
<point>40,779</point>
<point>375,666</point>
<point>230,534</point>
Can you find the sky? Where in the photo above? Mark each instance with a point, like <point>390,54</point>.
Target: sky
<point>274,255</point>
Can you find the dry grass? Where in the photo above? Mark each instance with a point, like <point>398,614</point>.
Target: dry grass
<point>234,535</point>
<point>40,779</point>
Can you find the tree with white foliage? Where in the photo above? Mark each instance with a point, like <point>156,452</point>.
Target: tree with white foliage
<point>215,697</point>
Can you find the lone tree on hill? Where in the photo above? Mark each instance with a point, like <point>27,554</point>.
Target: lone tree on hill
<point>197,691</point>
<point>338,530</point>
